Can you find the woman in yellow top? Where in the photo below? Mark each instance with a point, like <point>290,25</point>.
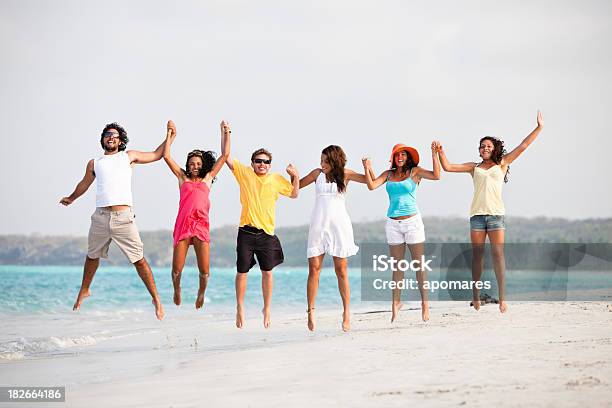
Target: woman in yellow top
<point>487,210</point>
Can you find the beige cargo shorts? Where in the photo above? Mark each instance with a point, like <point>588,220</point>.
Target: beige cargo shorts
<point>116,226</point>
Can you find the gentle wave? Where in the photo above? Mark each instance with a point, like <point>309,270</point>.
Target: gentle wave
<point>29,347</point>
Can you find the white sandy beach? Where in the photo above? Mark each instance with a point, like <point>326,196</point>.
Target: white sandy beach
<point>538,354</point>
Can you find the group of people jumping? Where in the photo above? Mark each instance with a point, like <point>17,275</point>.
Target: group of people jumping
<point>330,230</point>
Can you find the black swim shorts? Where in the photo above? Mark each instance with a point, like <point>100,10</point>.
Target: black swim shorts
<point>253,242</point>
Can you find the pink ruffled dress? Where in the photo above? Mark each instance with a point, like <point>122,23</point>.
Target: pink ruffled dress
<point>192,219</point>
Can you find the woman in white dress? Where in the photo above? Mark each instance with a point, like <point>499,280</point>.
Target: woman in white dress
<point>330,229</point>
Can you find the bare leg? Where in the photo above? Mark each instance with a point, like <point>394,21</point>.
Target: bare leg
<point>314,270</point>
<point>496,237</point>
<point>89,270</point>
<point>397,252</point>
<point>202,250</point>
<point>478,242</point>
<point>345,291</point>
<point>267,283</point>
<point>241,285</point>
<point>178,262</point>
<point>416,252</point>
<point>144,271</point>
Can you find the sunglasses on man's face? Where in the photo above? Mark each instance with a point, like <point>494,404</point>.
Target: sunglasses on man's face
<point>264,161</point>
<point>111,135</point>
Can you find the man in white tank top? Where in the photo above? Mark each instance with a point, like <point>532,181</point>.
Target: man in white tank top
<point>113,219</point>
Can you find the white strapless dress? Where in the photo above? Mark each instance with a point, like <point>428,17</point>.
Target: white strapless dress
<point>331,231</point>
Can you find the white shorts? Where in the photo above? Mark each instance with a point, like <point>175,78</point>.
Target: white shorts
<point>408,231</point>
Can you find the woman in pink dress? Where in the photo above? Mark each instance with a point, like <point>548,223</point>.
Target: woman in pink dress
<point>192,224</point>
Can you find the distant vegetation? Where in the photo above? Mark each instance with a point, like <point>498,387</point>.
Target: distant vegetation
<point>64,250</point>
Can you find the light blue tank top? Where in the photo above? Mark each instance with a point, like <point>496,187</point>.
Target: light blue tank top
<point>402,197</point>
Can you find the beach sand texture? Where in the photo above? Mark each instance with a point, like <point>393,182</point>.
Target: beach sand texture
<point>537,354</point>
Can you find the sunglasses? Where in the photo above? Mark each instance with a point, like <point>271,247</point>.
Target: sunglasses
<point>195,153</point>
<point>111,135</point>
<point>264,161</point>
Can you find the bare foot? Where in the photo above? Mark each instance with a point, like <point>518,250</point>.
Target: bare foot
<point>395,308</point>
<point>476,303</point>
<point>425,311</point>
<point>266,319</point>
<point>239,317</point>
<point>177,296</point>
<point>346,321</point>
<point>200,299</point>
<point>159,309</point>
<point>82,295</point>
<point>503,307</point>
<point>176,283</point>
<point>311,319</point>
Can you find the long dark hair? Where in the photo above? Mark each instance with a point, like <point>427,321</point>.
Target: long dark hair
<point>407,166</point>
<point>498,152</point>
<point>337,160</point>
<point>208,161</point>
<point>123,137</point>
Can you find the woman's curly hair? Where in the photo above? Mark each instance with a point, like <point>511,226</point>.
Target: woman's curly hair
<point>208,161</point>
<point>337,160</point>
<point>123,137</point>
<point>498,152</point>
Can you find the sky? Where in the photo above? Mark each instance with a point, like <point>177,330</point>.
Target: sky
<point>294,77</point>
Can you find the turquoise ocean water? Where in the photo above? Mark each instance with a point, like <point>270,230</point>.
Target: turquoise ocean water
<point>38,321</point>
<point>34,289</point>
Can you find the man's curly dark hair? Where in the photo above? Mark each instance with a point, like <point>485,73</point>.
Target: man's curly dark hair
<point>123,137</point>
<point>498,152</point>
<point>208,161</point>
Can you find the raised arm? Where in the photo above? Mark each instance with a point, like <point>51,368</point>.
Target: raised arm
<point>138,157</point>
<point>295,180</point>
<point>372,182</point>
<point>428,174</point>
<point>82,186</point>
<point>226,146</point>
<point>354,176</point>
<point>310,178</point>
<point>225,132</point>
<point>514,154</point>
<point>454,168</point>
<point>170,136</point>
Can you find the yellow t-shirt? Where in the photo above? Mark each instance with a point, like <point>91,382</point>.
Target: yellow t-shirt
<point>258,195</point>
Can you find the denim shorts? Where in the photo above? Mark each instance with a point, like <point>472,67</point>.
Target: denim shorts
<point>487,222</point>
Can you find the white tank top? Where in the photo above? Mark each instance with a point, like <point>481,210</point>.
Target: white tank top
<point>114,180</point>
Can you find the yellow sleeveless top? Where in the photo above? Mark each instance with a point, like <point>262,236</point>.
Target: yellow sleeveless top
<point>488,191</point>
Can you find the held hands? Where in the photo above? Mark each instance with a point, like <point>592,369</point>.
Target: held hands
<point>292,171</point>
<point>225,128</point>
<point>439,147</point>
<point>367,163</point>
<point>170,131</point>
<point>66,201</point>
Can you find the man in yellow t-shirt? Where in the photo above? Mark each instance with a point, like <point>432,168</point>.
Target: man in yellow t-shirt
<point>259,191</point>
